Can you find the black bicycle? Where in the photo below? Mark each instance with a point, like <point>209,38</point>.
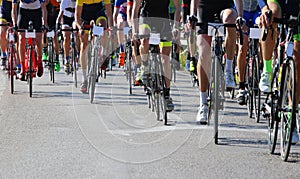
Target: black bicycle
<point>280,104</point>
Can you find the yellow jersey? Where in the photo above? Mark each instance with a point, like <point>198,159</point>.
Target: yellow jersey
<point>81,2</point>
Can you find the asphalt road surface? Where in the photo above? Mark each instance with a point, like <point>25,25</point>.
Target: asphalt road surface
<point>58,134</point>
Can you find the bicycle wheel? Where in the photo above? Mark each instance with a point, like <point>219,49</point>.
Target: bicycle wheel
<point>273,123</point>
<point>73,53</point>
<point>287,107</point>
<point>92,74</point>
<point>11,58</point>
<point>216,98</point>
<point>249,87</point>
<point>255,91</point>
<point>30,70</point>
<point>162,88</point>
<point>51,61</point>
<point>129,71</point>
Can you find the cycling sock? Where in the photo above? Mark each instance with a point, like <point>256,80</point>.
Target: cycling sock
<point>242,85</point>
<point>228,66</point>
<point>177,57</point>
<point>84,77</point>
<point>268,66</point>
<point>45,49</point>
<point>56,57</point>
<point>203,98</point>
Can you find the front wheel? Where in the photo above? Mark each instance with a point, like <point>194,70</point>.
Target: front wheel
<point>287,107</point>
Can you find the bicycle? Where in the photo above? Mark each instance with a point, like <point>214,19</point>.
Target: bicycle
<point>30,55</point>
<point>73,53</point>
<point>129,64</point>
<point>280,104</point>
<point>156,84</point>
<point>253,75</point>
<point>51,62</point>
<point>216,89</point>
<point>93,66</point>
<point>12,58</point>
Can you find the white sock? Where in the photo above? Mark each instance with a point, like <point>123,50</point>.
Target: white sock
<point>203,98</point>
<point>228,66</point>
<point>84,77</point>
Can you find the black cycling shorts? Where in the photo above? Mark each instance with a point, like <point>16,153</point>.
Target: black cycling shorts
<point>68,20</point>
<point>92,12</point>
<point>6,11</point>
<point>52,13</point>
<point>26,15</point>
<point>210,11</point>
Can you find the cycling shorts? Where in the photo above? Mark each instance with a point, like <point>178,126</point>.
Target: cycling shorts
<point>209,11</point>
<point>92,12</point>
<point>52,13</point>
<point>68,21</point>
<point>26,15</point>
<point>5,12</point>
<point>251,16</point>
<point>157,25</point>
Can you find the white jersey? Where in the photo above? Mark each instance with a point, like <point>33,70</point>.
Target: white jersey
<point>68,6</point>
<point>30,4</point>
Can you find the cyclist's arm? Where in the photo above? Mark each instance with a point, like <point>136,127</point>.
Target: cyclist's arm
<point>14,12</point>
<point>44,13</point>
<point>194,5</point>
<point>135,14</point>
<point>109,14</point>
<point>116,12</point>
<point>78,11</point>
<point>240,7</point>
<point>177,12</point>
<point>59,17</point>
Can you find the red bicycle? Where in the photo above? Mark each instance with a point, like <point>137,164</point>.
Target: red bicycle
<point>11,64</point>
<point>30,55</point>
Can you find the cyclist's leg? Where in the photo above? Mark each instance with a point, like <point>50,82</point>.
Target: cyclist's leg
<point>229,17</point>
<point>66,46</point>
<point>121,22</point>
<point>241,63</point>
<point>203,71</point>
<point>5,16</point>
<point>144,49</point>
<point>3,30</point>
<point>104,41</point>
<point>267,47</point>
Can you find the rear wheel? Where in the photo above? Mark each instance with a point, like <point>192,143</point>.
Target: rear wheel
<point>255,89</point>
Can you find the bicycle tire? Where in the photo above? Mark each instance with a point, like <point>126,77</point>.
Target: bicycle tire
<point>273,125</point>
<point>11,68</point>
<point>30,70</point>
<point>256,96</point>
<point>74,66</point>
<point>216,99</point>
<point>129,74</point>
<point>92,74</point>
<point>162,88</point>
<point>51,61</point>
<point>287,91</point>
<point>249,90</point>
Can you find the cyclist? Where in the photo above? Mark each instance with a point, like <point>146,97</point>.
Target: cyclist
<point>36,12</point>
<point>205,10</point>
<point>135,51</point>
<point>66,16</point>
<point>172,9</point>
<point>280,8</point>
<point>5,17</point>
<point>85,12</point>
<point>153,13</point>
<point>251,11</point>
<point>120,18</point>
<point>52,13</point>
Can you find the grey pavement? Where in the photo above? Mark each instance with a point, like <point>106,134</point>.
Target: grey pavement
<point>58,134</point>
